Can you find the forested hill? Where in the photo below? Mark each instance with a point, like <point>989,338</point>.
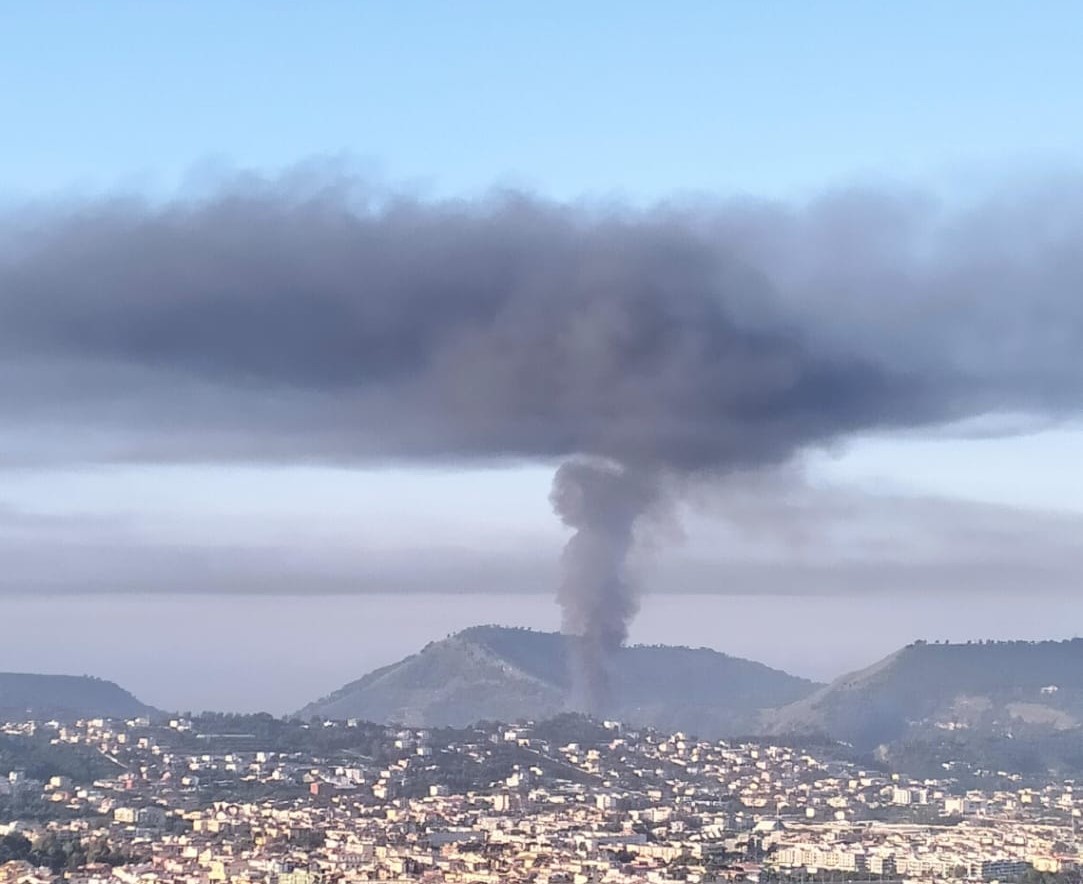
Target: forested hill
<point>977,686</point>
<point>26,695</point>
<point>501,673</point>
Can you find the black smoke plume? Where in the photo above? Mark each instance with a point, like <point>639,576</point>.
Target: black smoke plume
<point>281,322</point>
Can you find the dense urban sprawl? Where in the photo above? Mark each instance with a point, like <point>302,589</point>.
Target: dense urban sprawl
<point>265,801</point>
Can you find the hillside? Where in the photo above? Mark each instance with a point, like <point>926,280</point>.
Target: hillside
<point>982,688</point>
<point>492,672</point>
<point>25,695</point>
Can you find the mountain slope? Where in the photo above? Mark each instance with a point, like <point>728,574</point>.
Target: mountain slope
<point>25,694</point>
<point>984,687</point>
<point>492,672</point>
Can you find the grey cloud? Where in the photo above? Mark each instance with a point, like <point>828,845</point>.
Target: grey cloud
<point>985,296</point>
<point>263,323</point>
<point>277,322</point>
<point>281,321</point>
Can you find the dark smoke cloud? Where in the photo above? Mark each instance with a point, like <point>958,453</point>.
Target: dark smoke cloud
<point>275,322</point>
<point>263,324</point>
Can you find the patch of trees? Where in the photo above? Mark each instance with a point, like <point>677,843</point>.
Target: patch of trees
<point>40,759</point>
<point>284,735</point>
<point>60,854</point>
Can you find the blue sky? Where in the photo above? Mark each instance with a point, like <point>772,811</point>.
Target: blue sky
<point>639,101</point>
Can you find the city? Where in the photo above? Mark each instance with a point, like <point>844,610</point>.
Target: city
<point>239,798</point>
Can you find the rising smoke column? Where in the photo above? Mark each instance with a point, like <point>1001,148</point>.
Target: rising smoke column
<point>602,501</point>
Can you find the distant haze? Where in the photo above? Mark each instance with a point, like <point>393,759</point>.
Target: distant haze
<point>258,652</point>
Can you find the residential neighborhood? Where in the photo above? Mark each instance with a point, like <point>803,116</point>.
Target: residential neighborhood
<point>567,801</point>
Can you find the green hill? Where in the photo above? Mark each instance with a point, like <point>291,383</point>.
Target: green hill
<point>977,688</point>
<point>25,695</point>
<point>499,673</point>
